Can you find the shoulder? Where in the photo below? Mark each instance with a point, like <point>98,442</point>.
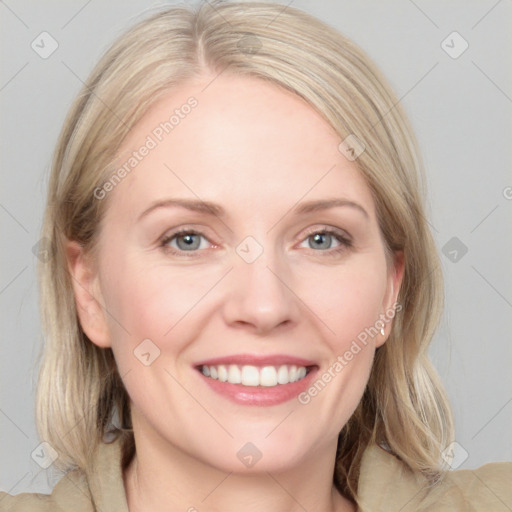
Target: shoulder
<point>100,487</point>
<point>487,488</point>
<point>386,484</point>
<point>70,494</point>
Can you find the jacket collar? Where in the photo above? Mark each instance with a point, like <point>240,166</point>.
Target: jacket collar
<point>385,483</point>
<point>106,479</point>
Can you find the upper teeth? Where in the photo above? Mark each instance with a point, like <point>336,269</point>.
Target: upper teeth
<point>248,375</point>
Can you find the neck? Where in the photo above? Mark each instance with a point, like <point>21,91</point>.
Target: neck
<point>165,478</point>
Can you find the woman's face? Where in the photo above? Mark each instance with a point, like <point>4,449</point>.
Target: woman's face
<point>241,244</point>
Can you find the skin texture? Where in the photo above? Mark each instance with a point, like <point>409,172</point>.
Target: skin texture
<point>258,152</point>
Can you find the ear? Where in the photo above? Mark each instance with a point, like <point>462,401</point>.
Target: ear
<point>394,282</point>
<point>88,298</point>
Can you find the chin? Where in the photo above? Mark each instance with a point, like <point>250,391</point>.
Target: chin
<point>254,455</point>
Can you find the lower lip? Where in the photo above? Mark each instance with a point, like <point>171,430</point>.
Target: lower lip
<point>260,395</point>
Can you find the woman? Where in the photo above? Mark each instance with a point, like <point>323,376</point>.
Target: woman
<point>242,285</point>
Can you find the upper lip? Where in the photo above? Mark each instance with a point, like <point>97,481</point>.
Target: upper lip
<point>257,360</point>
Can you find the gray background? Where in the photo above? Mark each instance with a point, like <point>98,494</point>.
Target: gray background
<point>461,112</point>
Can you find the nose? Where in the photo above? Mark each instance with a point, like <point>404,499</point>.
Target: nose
<point>260,297</point>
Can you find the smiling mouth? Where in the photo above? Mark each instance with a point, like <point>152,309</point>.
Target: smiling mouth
<point>253,376</point>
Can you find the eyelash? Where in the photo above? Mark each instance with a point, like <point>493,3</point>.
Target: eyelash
<point>345,243</point>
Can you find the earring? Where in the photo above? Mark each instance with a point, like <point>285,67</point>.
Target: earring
<point>382,331</point>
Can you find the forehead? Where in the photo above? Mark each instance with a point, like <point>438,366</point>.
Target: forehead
<point>244,141</point>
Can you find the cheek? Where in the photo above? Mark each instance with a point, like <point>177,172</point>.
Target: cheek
<point>347,299</point>
<point>154,303</point>
<point>348,302</point>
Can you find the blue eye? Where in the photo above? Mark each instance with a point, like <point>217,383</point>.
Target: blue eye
<point>327,240</point>
<point>320,241</point>
<point>186,241</point>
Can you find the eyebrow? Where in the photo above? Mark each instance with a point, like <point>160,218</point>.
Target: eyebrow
<point>210,208</point>
<point>324,204</point>
<point>190,204</point>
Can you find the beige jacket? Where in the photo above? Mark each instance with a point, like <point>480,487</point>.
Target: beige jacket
<point>385,485</point>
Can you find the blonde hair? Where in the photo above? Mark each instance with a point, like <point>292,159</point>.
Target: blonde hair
<point>80,395</point>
